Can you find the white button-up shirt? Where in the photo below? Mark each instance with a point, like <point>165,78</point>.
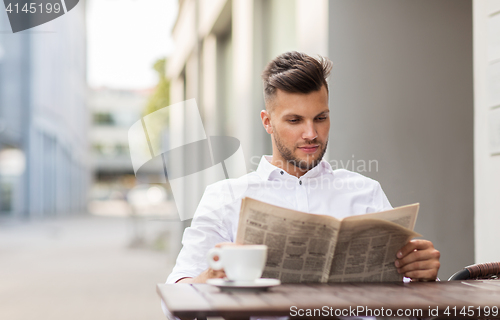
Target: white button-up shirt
<point>338,193</point>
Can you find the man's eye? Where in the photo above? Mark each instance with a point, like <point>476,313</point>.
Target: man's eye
<point>321,118</point>
<point>293,120</point>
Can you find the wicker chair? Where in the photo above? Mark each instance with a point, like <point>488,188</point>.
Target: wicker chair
<point>489,270</point>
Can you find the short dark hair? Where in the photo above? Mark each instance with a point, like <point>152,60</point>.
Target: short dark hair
<point>295,72</point>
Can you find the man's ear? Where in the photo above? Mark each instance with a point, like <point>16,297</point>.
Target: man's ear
<point>266,121</point>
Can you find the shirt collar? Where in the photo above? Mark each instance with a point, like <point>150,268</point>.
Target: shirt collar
<point>265,169</point>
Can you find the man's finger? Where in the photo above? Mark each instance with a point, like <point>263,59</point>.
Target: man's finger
<point>420,265</point>
<point>418,255</point>
<point>217,274</point>
<point>414,245</point>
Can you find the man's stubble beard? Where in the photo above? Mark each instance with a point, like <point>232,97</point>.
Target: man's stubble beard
<point>288,156</point>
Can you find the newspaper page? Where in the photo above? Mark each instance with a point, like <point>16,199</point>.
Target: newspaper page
<point>306,247</point>
<point>300,245</point>
<point>366,250</point>
<point>405,216</point>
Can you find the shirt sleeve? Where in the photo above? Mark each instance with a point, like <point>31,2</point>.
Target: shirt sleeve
<point>206,230</point>
<point>380,201</point>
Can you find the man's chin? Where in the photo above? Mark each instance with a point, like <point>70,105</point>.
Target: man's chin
<point>306,163</point>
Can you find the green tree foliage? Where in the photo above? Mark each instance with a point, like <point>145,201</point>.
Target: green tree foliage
<point>161,96</point>
<point>159,100</point>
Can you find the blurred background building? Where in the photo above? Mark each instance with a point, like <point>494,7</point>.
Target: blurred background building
<point>44,168</point>
<point>115,190</point>
<point>405,92</point>
<point>113,111</point>
<point>80,237</point>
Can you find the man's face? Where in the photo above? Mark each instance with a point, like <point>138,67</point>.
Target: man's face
<point>299,125</point>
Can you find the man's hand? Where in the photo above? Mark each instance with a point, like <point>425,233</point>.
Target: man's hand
<point>208,273</point>
<point>204,276</point>
<point>418,260</point>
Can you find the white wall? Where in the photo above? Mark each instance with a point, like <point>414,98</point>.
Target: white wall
<point>401,94</point>
<point>312,26</point>
<point>486,109</point>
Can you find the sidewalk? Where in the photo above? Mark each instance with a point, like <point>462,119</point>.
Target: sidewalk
<point>83,268</point>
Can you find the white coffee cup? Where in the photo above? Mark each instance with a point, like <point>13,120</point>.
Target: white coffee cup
<point>240,263</point>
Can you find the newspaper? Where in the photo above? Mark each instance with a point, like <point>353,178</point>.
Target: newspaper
<point>305,247</point>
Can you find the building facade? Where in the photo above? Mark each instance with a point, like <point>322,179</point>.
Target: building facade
<point>486,128</point>
<point>44,118</point>
<point>112,111</point>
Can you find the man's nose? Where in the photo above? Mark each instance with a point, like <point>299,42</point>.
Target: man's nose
<point>309,132</point>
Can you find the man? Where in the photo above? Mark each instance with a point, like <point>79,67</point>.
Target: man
<point>297,119</point>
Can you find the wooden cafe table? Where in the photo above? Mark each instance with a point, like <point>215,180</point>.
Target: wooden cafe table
<point>453,299</point>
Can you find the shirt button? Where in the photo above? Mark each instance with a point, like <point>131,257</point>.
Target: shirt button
<point>300,182</point>
<point>282,172</point>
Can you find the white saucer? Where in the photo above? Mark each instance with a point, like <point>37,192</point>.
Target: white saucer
<point>257,285</point>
